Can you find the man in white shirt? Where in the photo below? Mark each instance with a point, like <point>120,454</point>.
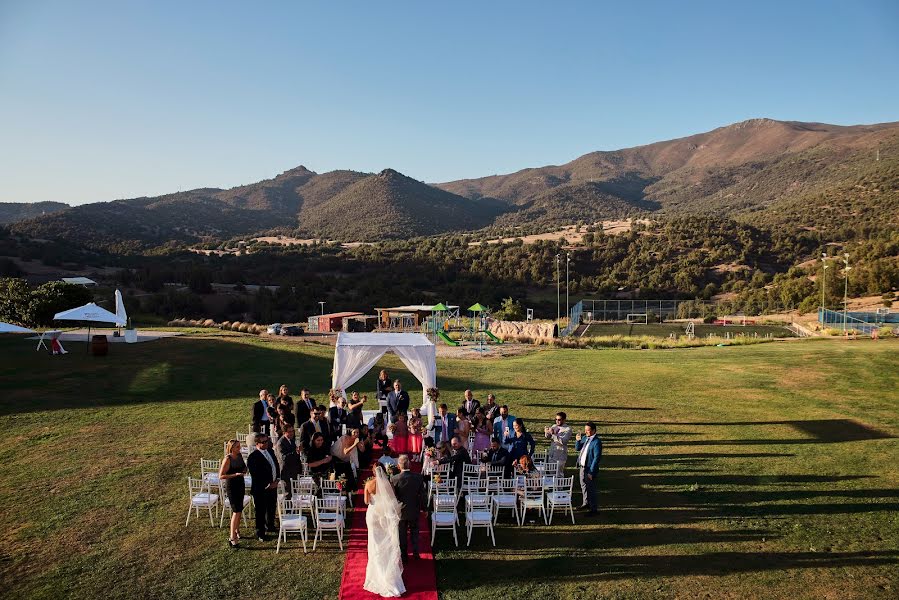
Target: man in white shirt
<point>589,449</point>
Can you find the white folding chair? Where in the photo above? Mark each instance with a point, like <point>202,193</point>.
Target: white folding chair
<point>539,457</point>
<point>328,517</point>
<point>290,515</point>
<point>304,494</point>
<point>477,511</point>
<point>470,476</point>
<point>330,489</point>
<point>201,498</point>
<point>531,496</point>
<point>444,515</point>
<point>560,495</point>
<point>441,471</point>
<point>209,470</point>
<point>506,497</point>
<point>470,441</point>
<point>446,494</point>
<point>226,505</point>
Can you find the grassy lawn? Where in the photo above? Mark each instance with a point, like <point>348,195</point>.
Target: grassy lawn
<point>764,471</point>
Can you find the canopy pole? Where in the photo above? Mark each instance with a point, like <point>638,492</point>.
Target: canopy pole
<point>88,337</point>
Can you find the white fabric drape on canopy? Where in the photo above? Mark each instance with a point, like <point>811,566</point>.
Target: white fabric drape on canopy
<point>357,353</point>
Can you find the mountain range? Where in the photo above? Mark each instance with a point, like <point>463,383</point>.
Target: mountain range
<point>810,175</point>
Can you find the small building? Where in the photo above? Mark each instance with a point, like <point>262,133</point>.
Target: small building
<point>406,317</point>
<point>360,324</point>
<point>330,323</point>
<point>80,281</point>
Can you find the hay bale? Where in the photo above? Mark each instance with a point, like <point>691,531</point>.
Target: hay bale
<point>235,326</point>
<point>519,329</point>
<point>244,328</point>
<point>208,323</point>
<point>226,325</point>
<point>259,329</point>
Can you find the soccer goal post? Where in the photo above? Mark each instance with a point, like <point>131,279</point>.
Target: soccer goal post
<point>637,318</point>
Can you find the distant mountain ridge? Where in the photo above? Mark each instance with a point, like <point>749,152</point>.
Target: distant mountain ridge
<point>759,169</point>
<point>10,212</point>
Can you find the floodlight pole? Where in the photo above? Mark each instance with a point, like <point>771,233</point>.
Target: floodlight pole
<point>558,292</point>
<point>846,290</point>
<point>567,303</point>
<point>323,308</point>
<point>823,283</point>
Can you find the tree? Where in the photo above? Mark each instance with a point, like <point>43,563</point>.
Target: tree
<point>14,300</point>
<point>510,310</point>
<point>53,297</point>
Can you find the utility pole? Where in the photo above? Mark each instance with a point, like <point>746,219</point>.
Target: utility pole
<point>323,307</point>
<point>846,290</point>
<point>823,283</point>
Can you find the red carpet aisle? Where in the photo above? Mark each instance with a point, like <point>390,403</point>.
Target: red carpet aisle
<point>419,575</point>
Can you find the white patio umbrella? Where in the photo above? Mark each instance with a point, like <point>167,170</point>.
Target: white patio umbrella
<point>89,313</point>
<point>10,328</point>
<point>120,308</point>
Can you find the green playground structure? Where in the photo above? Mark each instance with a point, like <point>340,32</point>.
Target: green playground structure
<point>447,339</point>
<point>492,337</point>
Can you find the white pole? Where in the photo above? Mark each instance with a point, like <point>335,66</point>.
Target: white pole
<point>567,261</point>
<point>558,292</point>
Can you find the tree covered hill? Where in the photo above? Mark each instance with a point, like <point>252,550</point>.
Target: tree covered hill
<point>10,212</point>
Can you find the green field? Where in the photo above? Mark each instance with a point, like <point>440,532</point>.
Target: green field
<point>701,330</point>
<point>766,471</point>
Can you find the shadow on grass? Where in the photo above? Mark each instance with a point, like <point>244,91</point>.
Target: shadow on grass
<point>599,568</point>
<point>822,431</point>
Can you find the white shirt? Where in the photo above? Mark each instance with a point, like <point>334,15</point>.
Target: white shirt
<point>582,458</point>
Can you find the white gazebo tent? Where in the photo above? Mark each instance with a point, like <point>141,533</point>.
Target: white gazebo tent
<point>357,353</point>
<point>89,313</point>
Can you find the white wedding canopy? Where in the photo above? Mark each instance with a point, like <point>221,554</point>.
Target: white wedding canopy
<point>10,328</point>
<point>357,353</point>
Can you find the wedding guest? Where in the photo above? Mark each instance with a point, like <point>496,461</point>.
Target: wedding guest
<point>502,425</point>
<point>378,429</point>
<point>284,398</point>
<point>469,403</point>
<point>482,431</point>
<point>497,456</point>
<point>365,444</point>
<point>457,458</point>
<point>305,405</point>
<point>272,409</point>
<point>560,435</point>
<point>383,388</point>
<point>397,401</point>
<point>463,425</point>
<point>355,419</point>
<point>263,468</point>
<point>337,416</point>
<point>442,450</point>
<point>415,434</point>
<point>526,467</point>
<point>589,449</point>
<point>261,421</point>
<point>491,409</point>
<point>231,474</point>
<point>315,424</point>
<point>520,442</point>
<point>345,453</point>
<point>286,453</point>
<point>318,456</point>
<point>355,402</point>
<point>444,426</point>
<point>400,441</point>
<point>285,417</point>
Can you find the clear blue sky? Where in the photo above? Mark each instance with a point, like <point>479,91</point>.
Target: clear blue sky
<point>105,100</point>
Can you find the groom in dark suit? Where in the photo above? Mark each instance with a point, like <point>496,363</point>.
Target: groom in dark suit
<point>397,401</point>
<point>409,488</point>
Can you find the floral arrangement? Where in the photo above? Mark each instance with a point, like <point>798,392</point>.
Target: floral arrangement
<point>391,428</point>
<point>433,393</point>
<point>429,451</point>
<point>437,478</point>
<point>392,470</point>
<point>335,392</point>
<point>341,483</point>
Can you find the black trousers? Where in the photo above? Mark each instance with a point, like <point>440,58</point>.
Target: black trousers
<point>265,503</point>
<point>412,528</point>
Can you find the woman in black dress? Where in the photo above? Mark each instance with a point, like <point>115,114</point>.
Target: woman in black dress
<point>284,398</point>
<point>231,475</point>
<point>318,456</point>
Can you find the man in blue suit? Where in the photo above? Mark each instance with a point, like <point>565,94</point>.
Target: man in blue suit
<point>444,425</point>
<point>589,449</point>
<point>502,425</point>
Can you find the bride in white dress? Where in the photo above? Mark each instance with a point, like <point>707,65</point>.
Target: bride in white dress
<point>384,571</point>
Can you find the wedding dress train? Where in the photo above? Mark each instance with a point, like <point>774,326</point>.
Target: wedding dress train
<point>384,571</point>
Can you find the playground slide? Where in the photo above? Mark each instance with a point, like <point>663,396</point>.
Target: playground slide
<point>493,337</point>
<point>449,341</point>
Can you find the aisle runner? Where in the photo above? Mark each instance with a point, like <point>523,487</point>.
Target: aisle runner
<point>419,576</point>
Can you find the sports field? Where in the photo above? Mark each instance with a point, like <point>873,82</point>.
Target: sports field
<point>766,471</point>
<point>701,330</point>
